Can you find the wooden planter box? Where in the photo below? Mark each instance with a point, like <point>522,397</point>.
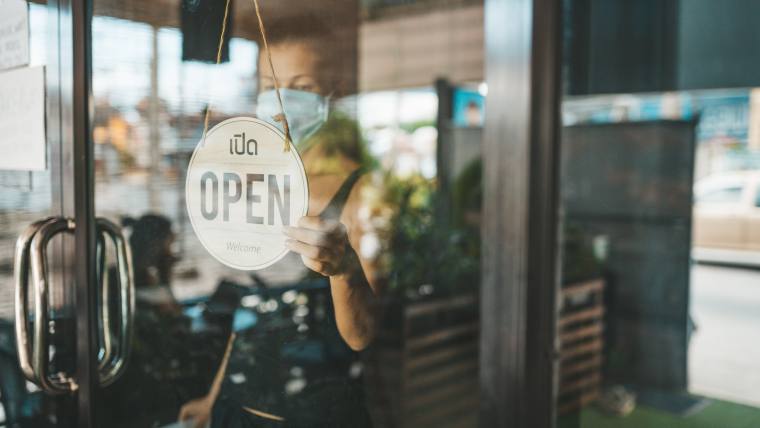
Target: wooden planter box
<point>580,329</point>
<point>423,369</point>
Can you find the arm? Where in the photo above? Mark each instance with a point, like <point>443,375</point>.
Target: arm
<point>355,303</point>
<point>328,247</point>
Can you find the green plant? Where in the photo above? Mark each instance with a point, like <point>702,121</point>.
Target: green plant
<point>578,260</point>
<point>424,255</point>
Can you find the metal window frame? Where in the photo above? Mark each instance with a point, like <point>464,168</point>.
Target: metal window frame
<point>82,184</point>
<point>521,251</point>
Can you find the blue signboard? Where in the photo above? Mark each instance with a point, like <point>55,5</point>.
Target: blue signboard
<point>469,108</point>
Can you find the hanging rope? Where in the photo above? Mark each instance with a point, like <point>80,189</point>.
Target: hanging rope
<point>281,118</point>
<point>218,60</point>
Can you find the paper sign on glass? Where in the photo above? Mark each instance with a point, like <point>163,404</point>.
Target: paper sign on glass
<point>22,119</point>
<point>14,33</point>
<point>241,189</point>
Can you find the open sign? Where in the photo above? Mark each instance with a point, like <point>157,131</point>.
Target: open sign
<point>241,189</point>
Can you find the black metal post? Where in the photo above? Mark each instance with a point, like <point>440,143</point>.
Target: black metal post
<point>521,213</point>
<point>84,215</point>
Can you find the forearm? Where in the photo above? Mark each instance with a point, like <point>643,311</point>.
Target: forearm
<point>325,248</point>
<point>355,304</point>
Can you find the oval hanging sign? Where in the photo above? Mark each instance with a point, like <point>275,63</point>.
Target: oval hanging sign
<point>241,189</point>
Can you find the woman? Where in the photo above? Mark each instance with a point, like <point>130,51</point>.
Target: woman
<point>327,242</point>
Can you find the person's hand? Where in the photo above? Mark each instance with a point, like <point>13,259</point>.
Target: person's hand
<point>197,411</point>
<point>322,244</point>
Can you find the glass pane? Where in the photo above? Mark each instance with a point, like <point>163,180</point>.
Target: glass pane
<point>26,197</point>
<point>659,304</point>
<point>726,195</point>
<point>371,316</point>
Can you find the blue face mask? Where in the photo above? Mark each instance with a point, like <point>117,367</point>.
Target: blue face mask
<point>306,111</point>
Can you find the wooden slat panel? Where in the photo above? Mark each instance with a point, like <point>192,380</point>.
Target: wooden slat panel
<point>584,382</point>
<point>452,370</point>
<point>578,402</point>
<point>443,412</point>
<point>419,309</point>
<point>469,349</point>
<point>587,314</point>
<point>594,362</point>
<point>439,336</point>
<point>454,391</point>
<point>596,285</point>
<point>595,345</point>
<point>580,333</point>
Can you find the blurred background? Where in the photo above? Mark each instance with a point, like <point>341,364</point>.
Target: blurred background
<point>659,300</point>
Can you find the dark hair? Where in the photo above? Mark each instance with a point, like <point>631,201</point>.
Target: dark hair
<point>334,43</point>
<point>305,27</point>
<point>148,234</point>
<point>147,230</point>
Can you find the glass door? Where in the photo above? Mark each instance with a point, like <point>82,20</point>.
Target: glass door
<point>659,302</point>
<point>37,317</point>
<point>336,281</point>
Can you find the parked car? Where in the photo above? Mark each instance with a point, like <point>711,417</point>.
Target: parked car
<point>727,211</point>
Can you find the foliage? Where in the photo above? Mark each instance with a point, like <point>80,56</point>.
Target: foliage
<point>340,137</point>
<point>424,255</point>
<point>410,127</point>
<point>578,260</point>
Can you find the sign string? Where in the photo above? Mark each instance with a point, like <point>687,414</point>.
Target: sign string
<point>281,118</point>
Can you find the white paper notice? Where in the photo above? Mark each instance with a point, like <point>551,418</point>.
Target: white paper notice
<point>22,119</point>
<point>14,33</point>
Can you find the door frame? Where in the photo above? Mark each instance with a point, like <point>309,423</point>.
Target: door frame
<point>520,261</point>
<point>81,183</point>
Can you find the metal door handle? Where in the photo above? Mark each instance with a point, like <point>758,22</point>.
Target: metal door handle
<point>103,278</point>
<point>21,311</point>
<point>114,364</point>
<point>34,353</point>
<point>41,350</point>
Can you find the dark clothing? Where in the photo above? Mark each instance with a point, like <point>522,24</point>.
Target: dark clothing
<point>293,362</point>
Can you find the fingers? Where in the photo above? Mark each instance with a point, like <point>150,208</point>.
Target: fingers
<point>316,231</point>
<point>183,414</point>
<point>310,251</point>
<point>315,265</point>
<point>309,236</point>
<point>312,222</point>
<point>318,259</point>
<point>325,268</point>
<point>200,423</point>
<point>321,243</point>
<point>197,411</point>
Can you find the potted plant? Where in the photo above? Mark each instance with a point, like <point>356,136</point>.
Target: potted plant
<point>426,351</point>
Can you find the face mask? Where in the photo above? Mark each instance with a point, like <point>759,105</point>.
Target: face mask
<point>306,111</point>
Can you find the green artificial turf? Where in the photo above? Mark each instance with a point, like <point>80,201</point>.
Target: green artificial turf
<point>717,414</point>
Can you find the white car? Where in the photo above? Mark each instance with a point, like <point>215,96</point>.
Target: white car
<point>726,214</point>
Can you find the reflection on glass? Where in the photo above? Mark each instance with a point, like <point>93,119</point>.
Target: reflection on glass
<point>26,197</point>
<point>377,298</point>
<point>659,197</point>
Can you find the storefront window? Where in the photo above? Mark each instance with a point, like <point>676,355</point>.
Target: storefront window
<point>27,196</point>
<point>372,316</point>
<point>659,157</point>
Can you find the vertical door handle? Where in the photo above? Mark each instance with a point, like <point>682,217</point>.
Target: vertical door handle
<point>34,352</point>
<point>21,293</point>
<point>41,347</point>
<point>116,362</point>
<point>104,322</point>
